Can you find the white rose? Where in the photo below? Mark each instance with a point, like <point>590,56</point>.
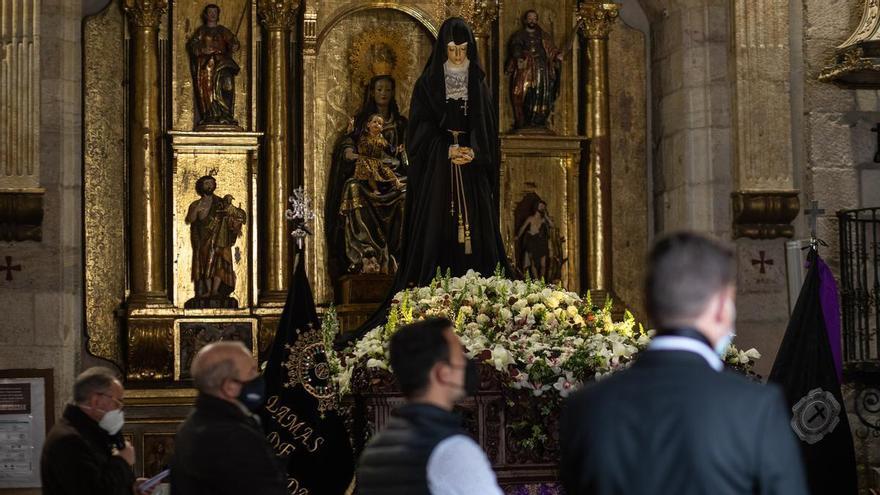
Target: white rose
<point>482,319</point>
<point>501,357</point>
<point>375,363</point>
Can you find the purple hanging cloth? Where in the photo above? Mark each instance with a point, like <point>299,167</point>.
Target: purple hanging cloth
<point>831,314</point>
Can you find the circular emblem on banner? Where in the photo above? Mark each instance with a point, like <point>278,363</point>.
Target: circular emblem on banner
<point>307,365</point>
<point>815,415</point>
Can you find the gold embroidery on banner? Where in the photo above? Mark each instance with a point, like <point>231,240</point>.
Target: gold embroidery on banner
<point>307,365</point>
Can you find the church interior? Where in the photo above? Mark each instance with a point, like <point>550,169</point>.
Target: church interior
<point>168,166</point>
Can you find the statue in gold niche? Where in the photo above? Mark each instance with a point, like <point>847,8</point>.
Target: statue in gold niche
<point>215,224</point>
<point>533,65</point>
<point>367,185</point>
<point>213,70</point>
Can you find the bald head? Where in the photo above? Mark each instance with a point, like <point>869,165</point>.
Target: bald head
<point>218,363</point>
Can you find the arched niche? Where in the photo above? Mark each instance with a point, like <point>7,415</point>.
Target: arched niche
<point>333,93</point>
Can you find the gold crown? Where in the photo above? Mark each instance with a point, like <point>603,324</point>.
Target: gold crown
<point>382,68</point>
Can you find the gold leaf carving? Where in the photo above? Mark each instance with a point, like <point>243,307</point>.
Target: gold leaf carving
<point>145,13</point>
<point>150,350</point>
<point>104,179</point>
<point>597,18</point>
<point>277,14</point>
<point>485,13</point>
<point>380,51</point>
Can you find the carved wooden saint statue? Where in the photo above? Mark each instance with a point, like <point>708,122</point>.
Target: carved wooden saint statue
<point>534,236</point>
<point>533,65</point>
<point>213,70</point>
<point>215,224</point>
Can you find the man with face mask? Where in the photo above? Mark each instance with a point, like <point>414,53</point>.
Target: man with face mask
<point>221,449</point>
<point>423,448</point>
<point>676,422</point>
<point>85,452</point>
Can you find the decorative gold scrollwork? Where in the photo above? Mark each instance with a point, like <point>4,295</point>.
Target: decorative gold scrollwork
<point>597,18</point>
<point>145,13</point>
<point>307,365</point>
<point>277,14</point>
<point>378,52</point>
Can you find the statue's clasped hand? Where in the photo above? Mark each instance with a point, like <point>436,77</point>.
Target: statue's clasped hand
<point>461,155</point>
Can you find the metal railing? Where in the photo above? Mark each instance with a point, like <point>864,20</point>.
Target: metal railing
<point>860,285</point>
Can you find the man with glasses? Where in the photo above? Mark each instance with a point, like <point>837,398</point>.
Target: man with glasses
<point>85,451</point>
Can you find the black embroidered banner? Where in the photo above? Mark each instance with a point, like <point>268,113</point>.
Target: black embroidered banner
<point>300,422</point>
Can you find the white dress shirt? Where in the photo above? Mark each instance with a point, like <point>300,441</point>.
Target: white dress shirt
<point>676,343</point>
<point>458,466</point>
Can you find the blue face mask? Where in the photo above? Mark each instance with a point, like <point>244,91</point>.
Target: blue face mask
<point>724,342</point>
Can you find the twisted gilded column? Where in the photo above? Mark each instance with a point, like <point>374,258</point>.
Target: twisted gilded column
<point>279,18</point>
<point>147,200</point>
<point>596,20</point>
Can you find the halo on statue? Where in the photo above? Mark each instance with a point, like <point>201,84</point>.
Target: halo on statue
<point>379,52</point>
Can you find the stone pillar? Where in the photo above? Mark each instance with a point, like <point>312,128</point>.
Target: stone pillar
<point>279,19</point>
<point>764,200</point>
<point>596,20</point>
<point>147,200</point>
<point>485,13</point>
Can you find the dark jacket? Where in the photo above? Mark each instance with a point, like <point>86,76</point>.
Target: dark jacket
<point>77,458</point>
<point>395,462</point>
<point>672,424</point>
<point>221,450</point>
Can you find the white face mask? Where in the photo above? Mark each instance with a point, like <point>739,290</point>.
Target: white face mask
<point>112,421</point>
<point>724,342</point>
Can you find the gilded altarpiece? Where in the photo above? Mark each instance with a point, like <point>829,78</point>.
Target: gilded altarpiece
<point>301,78</point>
<point>542,163</point>
<point>333,88</point>
<point>138,66</point>
<point>312,49</point>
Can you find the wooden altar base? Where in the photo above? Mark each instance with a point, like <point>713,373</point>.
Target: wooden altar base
<point>489,418</point>
<point>358,296</point>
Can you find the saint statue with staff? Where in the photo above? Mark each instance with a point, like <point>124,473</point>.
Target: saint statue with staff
<point>213,69</point>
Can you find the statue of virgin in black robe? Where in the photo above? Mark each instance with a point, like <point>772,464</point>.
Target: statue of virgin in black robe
<point>451,107</point>
<point>451,218</point>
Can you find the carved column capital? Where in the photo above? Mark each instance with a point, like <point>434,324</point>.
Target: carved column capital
<point>597,18</point>
<point>145,13</point>
<point>485,13</point>
<point>278,14</point>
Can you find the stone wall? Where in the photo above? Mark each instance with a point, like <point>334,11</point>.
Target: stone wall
<point>838,171</point>
<point>42,304</point>
<point>691,115</point>
<point>693,155</point>
<point>838,144</point>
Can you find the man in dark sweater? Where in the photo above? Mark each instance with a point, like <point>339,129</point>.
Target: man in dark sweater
<point>423,449</point>
<point>221,449</point>
<point>84,451</point>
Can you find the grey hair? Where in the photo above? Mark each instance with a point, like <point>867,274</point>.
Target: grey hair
<point>209,379</point>
<point>93,380</point>
<point>209,374</point>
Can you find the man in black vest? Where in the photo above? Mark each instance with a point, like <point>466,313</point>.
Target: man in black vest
<point>423,449</point>
<point>220,449</point>
<point>676,422</point>
<point>85,451</point>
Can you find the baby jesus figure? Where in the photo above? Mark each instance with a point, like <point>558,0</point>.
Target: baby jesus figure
<point>372,149</point>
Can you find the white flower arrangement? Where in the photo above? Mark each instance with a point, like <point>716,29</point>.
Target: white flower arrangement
<point>538,337</point>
